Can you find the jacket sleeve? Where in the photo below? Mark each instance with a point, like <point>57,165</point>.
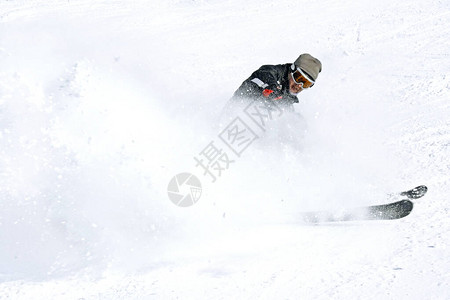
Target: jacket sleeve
<point>264,82</point>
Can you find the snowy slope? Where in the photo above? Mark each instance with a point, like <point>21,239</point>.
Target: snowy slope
<point>103,102</point>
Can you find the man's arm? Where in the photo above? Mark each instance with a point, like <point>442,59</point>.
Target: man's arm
<point>262,83</point>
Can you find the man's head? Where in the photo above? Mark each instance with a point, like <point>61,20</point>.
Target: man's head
<point>303,73</point>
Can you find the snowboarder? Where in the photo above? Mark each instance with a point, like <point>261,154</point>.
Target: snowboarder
<point>279,84</point>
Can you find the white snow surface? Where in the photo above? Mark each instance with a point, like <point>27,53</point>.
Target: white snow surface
<point>103,102</point>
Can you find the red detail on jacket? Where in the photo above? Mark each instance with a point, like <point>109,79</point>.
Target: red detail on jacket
<point>267,92</point>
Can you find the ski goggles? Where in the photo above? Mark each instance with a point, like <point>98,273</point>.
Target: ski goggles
<point>302,79</point>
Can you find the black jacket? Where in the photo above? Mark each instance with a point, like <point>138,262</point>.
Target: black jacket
<point>268,83</point>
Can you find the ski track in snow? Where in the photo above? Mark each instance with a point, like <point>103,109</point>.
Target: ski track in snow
<point>96,98</point>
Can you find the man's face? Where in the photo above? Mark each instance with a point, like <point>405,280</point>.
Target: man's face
<point>293,87</point>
